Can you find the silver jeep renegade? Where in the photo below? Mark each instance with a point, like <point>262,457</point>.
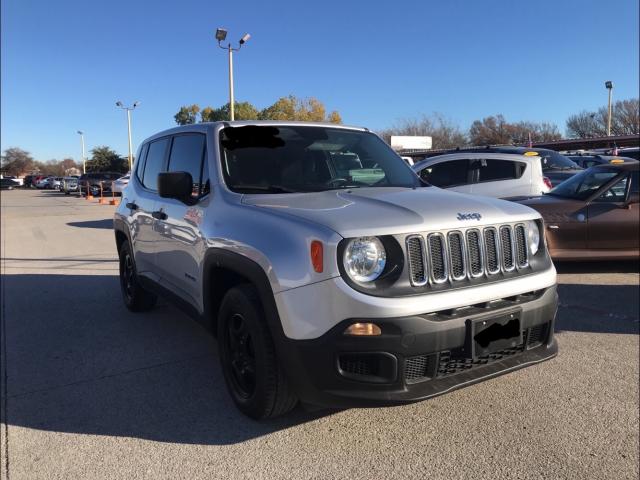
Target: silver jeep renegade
<point>329,272</point>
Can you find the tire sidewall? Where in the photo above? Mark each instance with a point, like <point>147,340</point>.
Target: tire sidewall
<point>258,404</point>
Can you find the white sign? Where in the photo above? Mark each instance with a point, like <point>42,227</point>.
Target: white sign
<point>404,142</point>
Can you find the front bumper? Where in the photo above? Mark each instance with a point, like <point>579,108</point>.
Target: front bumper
<point>418,356</point>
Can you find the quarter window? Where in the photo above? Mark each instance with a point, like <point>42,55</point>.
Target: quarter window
<point>493,170</point>
<point>447,174</point>
<point>187,153</point>
<point>154,163</point>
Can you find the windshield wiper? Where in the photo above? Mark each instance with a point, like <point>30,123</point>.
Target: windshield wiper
<point>262,188</point>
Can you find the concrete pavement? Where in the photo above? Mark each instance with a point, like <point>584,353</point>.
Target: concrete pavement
<point>90,390</point>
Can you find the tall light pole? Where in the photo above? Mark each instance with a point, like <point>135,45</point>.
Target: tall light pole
<point>84,159</point>
<point>128,109</point>
<point>609,85</point>
<point>221,34</point>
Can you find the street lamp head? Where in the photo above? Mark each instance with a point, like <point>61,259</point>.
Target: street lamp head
<point>221,34</point>
<point>80,132</point>
<point>608,84</point>
<point>135,104</point>
<point>245,38</point>
<point>118,103</point>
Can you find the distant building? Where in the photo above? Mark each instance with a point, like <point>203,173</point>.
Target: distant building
<point>72,171</point>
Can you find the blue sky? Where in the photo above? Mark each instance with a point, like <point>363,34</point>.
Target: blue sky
<point>65,63</point>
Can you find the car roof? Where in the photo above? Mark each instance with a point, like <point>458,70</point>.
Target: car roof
<point>629,165</point>
<point>207,126</point>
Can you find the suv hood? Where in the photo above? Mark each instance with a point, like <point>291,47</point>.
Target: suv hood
<point>392,210</point>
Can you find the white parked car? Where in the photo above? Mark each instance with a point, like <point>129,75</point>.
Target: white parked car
<point>119,184</point>
<point>497,175</point>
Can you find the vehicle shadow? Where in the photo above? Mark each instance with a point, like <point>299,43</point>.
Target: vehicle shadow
<point>107,224</point>
<point>599,308</point>
<point>85,364</point>
<point>598,267</point>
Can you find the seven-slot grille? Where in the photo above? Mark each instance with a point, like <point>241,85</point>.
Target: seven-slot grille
<point>462,254</point>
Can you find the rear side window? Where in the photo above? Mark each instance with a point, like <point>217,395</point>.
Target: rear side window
<point>140,161</point>
<point>447,174</point>
<point>187,155</point>
<point>154,163</point>
<point>493,170</point>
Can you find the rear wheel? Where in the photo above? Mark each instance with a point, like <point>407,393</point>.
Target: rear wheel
<point>136,298</point>
<point>254,378</point>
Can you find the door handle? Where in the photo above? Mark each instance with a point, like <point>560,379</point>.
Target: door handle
<point>131,206</point>
<point>159,215</point>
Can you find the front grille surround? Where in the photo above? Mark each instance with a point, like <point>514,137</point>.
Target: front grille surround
<point>457,253</point>
<point>418,270</point>
<point>475,252</point>
<point>492,249</point>
<point>437,258</point>
<point>452,256</point>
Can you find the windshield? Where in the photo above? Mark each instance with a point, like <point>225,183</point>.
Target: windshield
<point>287,159</point>
<point>584,184</point>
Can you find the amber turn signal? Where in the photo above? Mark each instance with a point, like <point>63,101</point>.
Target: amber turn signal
<point>363,329</point>
<point>316,255</point>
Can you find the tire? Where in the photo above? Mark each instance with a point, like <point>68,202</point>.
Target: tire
<point>251,371</point>
<point>135,298</point>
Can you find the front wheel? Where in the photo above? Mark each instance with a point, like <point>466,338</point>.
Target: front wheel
<point>136,298</point>
<point>251,371</point>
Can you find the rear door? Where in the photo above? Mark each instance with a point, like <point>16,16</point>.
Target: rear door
<point>501,178</point>
<point>450,174</point>
<point>142,203</point>
<point>179,243</point>
<point>613,224</point>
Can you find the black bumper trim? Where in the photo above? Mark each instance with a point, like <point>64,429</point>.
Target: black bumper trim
<point>311,365</point>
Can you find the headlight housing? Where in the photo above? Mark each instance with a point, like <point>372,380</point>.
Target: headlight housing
<point>364,259</point>
<point>533,236</point>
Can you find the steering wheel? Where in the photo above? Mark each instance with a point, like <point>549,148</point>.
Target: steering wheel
<point>336,181</point>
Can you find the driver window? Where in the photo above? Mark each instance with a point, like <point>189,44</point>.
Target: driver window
<point>615,193</point>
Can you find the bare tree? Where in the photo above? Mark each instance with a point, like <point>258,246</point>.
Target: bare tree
<point>625,120</point>
<point>495,130</point>
<point>443,132</point>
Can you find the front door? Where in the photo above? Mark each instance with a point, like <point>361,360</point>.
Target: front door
<point>614,224</point>
<point>141,202</point>
<point>180,246</point>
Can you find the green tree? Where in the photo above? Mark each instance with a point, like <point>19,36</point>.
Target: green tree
<point>187,115</point>
<point>16,161</point>
<point>103,159</point>
<point>242,111</point>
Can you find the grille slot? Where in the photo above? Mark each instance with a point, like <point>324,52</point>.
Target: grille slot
<point>522,253</point>
<point>437,258</point>
<point>360,365</point>
<point>506,242</point>
<point>474,249</point>
<point>420,368</point>
<point>537,335</point>
<point>491,248</point>
<point>456,256</point>
<point>417,261</point>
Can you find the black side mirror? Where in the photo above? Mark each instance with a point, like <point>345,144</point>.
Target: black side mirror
<point>176,185</point>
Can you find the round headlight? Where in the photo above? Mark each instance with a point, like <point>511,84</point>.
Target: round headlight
<point>364,259</point>
<point>533,236</point>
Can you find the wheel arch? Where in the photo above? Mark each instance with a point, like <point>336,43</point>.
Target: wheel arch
<point>224,270</point>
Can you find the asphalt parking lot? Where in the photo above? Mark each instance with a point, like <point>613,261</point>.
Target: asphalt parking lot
<point>90,390</point>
